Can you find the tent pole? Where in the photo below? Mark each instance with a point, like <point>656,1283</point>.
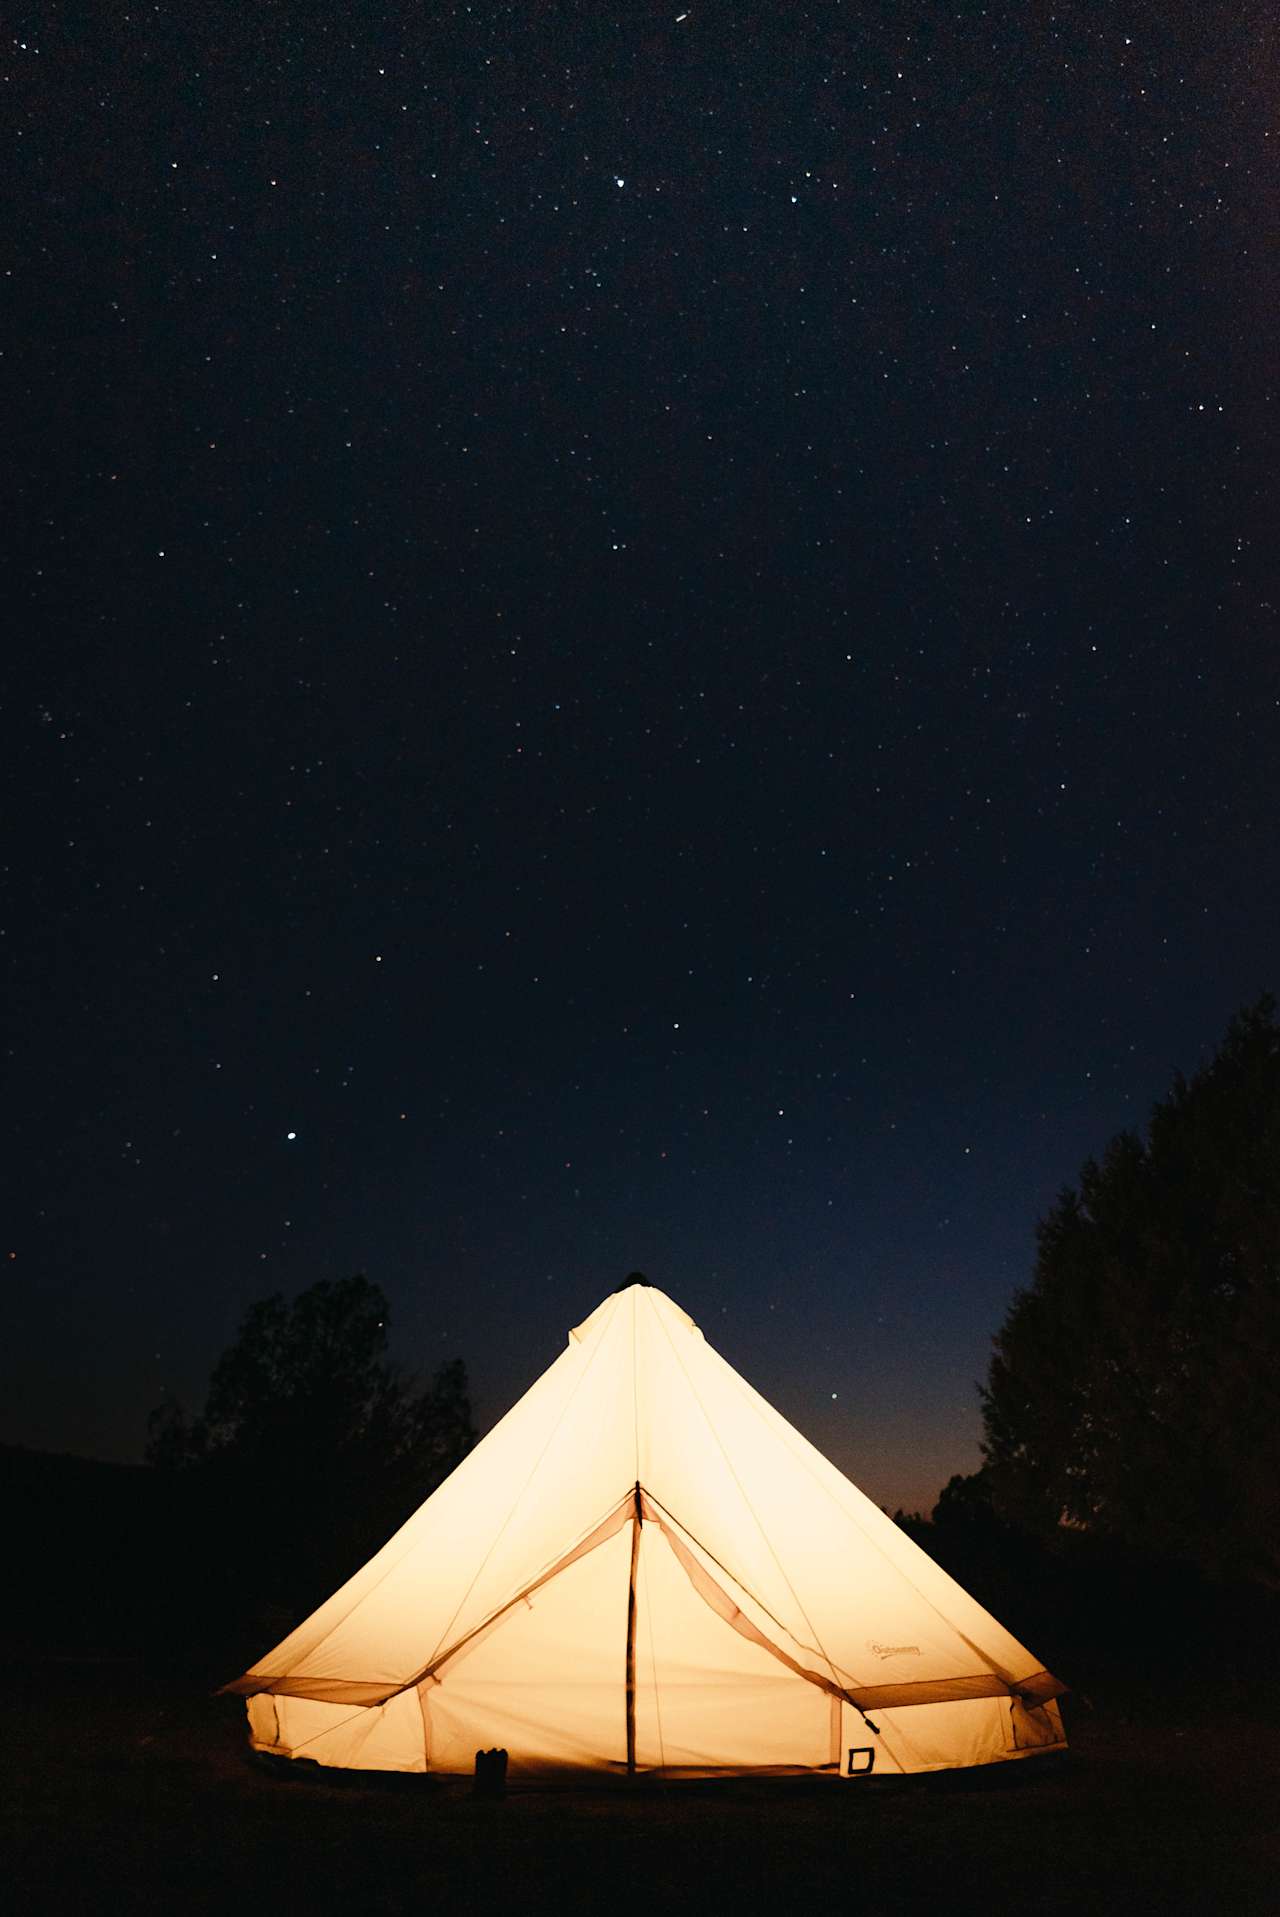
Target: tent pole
<point>631,1637</point>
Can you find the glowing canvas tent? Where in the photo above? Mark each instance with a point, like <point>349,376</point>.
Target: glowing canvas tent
<point>645,1568</point>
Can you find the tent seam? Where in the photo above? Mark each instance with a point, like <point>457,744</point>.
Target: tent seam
<point>635,1388</point>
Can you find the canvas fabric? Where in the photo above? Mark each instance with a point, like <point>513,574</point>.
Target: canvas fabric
<point>642,1513</point>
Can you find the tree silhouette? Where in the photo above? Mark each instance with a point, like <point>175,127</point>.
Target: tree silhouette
<point>1134,1388</point>
<point>313,1447</point>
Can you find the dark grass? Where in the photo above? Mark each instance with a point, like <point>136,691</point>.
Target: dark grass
<point>132,1789</point>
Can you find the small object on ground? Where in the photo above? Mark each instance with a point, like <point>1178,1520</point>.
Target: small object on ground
<point>491,1773</point>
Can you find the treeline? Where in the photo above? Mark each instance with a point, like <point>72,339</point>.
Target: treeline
<point>1134,1389</point>
<point>311,1450</point>
<point>1126,1519</point>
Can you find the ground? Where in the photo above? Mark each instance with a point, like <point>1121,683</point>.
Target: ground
<point>132,1790</point>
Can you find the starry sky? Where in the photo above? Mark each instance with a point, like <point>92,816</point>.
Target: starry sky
<point>639,638</point>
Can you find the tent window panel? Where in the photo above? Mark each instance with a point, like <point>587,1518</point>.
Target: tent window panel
<point>1033,1727</point>
<point>931,1737</point>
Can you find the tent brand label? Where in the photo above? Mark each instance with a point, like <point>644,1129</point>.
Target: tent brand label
<point>893,1650</point>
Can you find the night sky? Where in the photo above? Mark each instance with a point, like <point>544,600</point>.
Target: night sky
<point>637,638</point>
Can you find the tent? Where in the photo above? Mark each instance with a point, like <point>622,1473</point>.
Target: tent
<point>644,1568</point>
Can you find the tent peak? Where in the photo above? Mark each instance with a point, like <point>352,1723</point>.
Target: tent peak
<point>608,1312</point>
